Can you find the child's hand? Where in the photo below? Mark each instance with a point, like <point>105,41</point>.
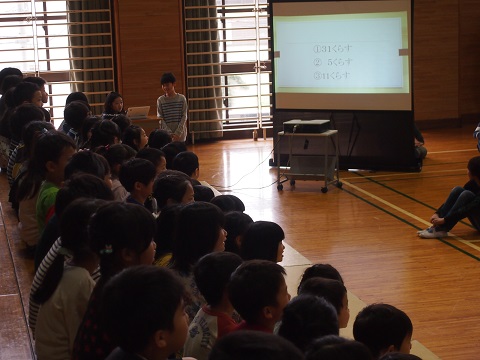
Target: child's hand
<point>438,221</point>
<point>433,218</point>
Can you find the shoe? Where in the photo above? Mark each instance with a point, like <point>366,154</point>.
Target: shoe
<point>427,229</point>
<point>431,233</point>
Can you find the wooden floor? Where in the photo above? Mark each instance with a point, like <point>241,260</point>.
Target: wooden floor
<point>367,230</point>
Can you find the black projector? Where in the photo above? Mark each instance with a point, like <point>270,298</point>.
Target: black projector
<point>306,126</point>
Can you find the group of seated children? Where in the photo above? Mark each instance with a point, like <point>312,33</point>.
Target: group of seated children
<point>136,259</point>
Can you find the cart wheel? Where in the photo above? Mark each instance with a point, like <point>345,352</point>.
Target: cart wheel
<point>279,187</point>
<point>339,184</point>
<point>324,189</point>
<point>292,182</point>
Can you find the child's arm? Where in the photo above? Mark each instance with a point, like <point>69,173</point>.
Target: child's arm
<point>181,125</point>
<point>161,122</point>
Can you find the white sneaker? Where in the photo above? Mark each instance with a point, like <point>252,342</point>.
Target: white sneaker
<point>431,233</point>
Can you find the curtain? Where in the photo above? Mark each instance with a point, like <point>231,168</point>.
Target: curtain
<point>91,49</point>
<point>202,50</point>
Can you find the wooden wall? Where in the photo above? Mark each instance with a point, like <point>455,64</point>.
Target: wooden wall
<point>149,42</point>
<point>446,57</point>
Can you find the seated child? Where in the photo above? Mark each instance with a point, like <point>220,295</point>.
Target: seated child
<point>214,319</point>
<point>149,322</point>
<point>158,139</point>
<point>74,116</point>
<point>113,106</point>
<point>258,292</point>
<point>199,232</point>
<point>67,286</point>
<point>123,121</point>
<point>86,130</point>
<point>157,157</point>
<point>263,240</point>
<point>306,318</point>
<point>116,156</point>
<point>332,347</point>
<point>228,203</point>
<point>172,109</point>
<point>326,271</point>
<point>187,162</point>
<point>164,236</point>
<point>135,137</point>
<point>333,291</point>
<point>236,223</point>
<point>121,235</point>
<point>41,83</point>
<point>171,150</point>
<point>462,202</point>
<point>254,345</point>
<point>383,328</point>
<point>202,193</point>
<point>172,187</point>
<point>104,132</point>
<point>137,176</point>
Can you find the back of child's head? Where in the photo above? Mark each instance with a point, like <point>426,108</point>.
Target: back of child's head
<point>218,266</point>
<point>24,92</point>
<point>74,96</point>
<point>22,115</point>
<point>9,71</point>
<point>381,326</point>
<point>172,187</point>
<point>41,82</point>
<point>254,285</point>
<point>81,185</point>
<point>104,132</point>
<point>132,136</point>
<point>326,271</point>
<point>123,122</point>
<point>158,138</point>
<point>474,166</point>
<point>236,223</point>
<point>155,156</point>
<point>254,345</point>
<point>32,131</point>
<point>333,347</point>
<point>116,155</point>
<point>171,150</point>
<point>306,318</point>
<point>86,129</point>
<point>166,225</point>
<point>151,300</point>
<point>73,232</point>
<point>186,162</point>
<point>117,227</point>
<point>49,146</point>
<point>198,229</point>
<point>168,77</point>
<point>261,241</point>
<point>228,203</point>
<point>87,162</point>
<point>136,170</point>
<point>399,356</point>
<point>202,193</point>
<point>332,290</point>
<point>75,113</point>
<point>10,82</point>
<point>111,97</point>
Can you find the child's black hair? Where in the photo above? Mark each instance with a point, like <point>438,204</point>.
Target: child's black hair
<point>149,298</point>
<point>24,92</point>
<point>116,154</point>
<point>326,271</point>
<point>254,285</point>
<point>48,147</point>
<point>198,228</point>
<point>158,138</point>
<point>254,345</point>
<point>170,184</point>
<point>171,150</point>
<point>104,132</point>
<point>75,114</point>
<point>186,162</point>
<point>332,290</point>
<point>261,240</point>
<point>32,131</point>
<point>228,203</point>
<point>132,136</point>
<point>333,347</point>
<point>218,266</point>
<point>202,193</point>
<point>236,223</point>
<point>379,326</point>
<point>117,226</point>
<point>86,129</point>
<point>151,154</point>
<point>73,231</point>
<point>166,225</point>
<point>307,317</point>
<point>36,80</point>
<point>74,96</point>
<point>111,97</point>
<point>9,71</point>
<point>136,170</point>
<point>168,77</point>
<point>87,162</point>
<point>22,115</point>
<point>10,82</point>
<point>123,121</point>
